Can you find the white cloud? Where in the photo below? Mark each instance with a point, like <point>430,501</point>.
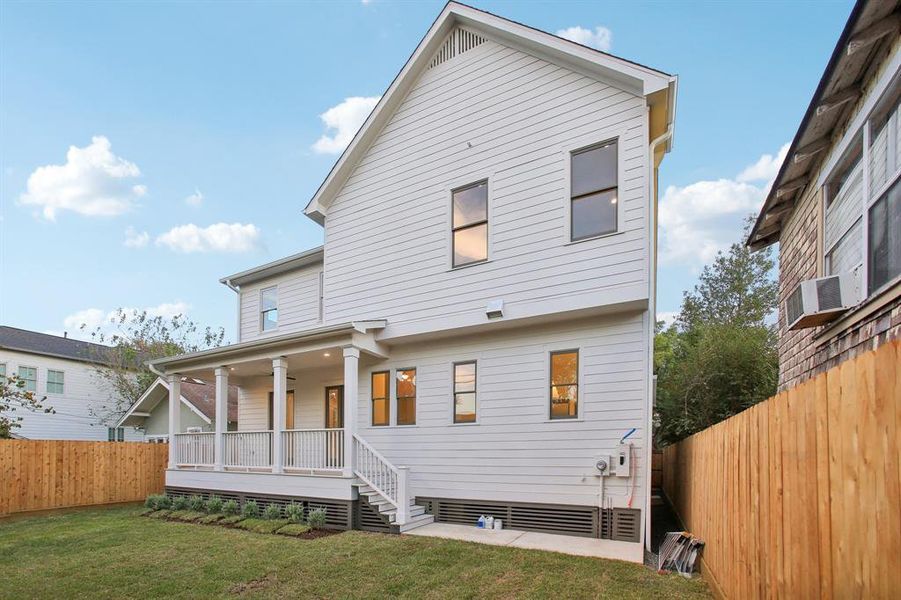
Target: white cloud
<point>766,168</point>
<point>600,39</point>
<point>668,317</point>
<point>94,318</point>
<point>195,199</point>
<point>136,239</point>
<point>342,122</point>
<point>93,182</point>
<point>219,237</point>
<point>705,217</point>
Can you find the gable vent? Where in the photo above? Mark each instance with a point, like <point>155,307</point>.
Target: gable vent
<point>457,42</point>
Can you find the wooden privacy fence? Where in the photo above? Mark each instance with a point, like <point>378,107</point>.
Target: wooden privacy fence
<point>798,497</point>
<point>44,474</point>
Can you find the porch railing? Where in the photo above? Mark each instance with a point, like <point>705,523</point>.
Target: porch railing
<point>247,449</point>
<point>313,449</point>
<point>195,448</point>
<point>377,471</point>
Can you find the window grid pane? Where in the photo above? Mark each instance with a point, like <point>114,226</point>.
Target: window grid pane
<point>593,215</point>
<point>30,376</point>
<point>471,245</point>
<point>465,392</point>
<point>884,241</point>
<point>2,369</point>
<point>564,385</point>
<point>406,397</point>
<point>594,169</point>
<point>469,226</point>
<point>54,382</point>
<point>594,191</point>
<point>470,205</point>
<point>380,416</point>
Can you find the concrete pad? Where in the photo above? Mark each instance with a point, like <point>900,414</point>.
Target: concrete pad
<point>566,544</point>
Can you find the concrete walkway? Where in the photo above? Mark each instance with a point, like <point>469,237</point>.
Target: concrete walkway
<point>567,544</point>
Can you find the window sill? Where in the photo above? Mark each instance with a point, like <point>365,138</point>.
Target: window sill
<point>855,315</point>
<point>469,265</point>
<point>474,423</point>
<point>571,242</point>
<point>573,420</point>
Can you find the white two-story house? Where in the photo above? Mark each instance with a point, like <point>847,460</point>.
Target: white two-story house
<point>475,334</point>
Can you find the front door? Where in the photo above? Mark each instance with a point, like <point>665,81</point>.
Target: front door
<point>334,419</point>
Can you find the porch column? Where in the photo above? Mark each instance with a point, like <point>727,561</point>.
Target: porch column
<point>174,417</point>
<point>279,399</point>
<point>221,417</point>
<point>351,389</point>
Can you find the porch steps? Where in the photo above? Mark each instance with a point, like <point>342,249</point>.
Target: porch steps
<point>416,515</point>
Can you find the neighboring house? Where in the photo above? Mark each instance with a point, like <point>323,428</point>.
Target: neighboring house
<point>835,207</point>
<point>62,370</point>
<point>476,333</point>
<point>150,414</point>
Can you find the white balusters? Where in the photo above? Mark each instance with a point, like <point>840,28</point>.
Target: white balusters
<point>194,449</point>
<point>247,449</point>
<point>313,449</point>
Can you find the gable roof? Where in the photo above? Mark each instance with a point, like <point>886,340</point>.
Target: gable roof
<point>276,267</point>
<point>831,108</point>
<point>23,340</point>
<point>628,75</point>
<point>197,395</point>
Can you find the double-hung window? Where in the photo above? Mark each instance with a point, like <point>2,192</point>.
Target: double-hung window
<point>564,392</point>
<point>862,204</point>
<point>406,396</point>
<point>593,191</point>
<point>465,392</point>
<point>469,226</point>
<point>380,394</point>
<point>115,434</point>
<point>269,308</point>
<point>55,382</point>
<point>29,375</point>
<point>2,369</point>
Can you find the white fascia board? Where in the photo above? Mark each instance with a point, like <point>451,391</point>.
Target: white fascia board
<point>626,75</point>
<point>145,397</point>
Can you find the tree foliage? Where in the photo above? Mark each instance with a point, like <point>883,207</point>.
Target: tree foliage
<point>15,398</point>
<point>136,337</point>
<point>719,357</point>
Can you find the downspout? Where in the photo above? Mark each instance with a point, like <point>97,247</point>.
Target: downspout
<point>652,320</point>
<point>228,283</point>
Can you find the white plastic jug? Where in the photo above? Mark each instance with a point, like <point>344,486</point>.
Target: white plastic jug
<point>498,524</point>
<point>489,522</point>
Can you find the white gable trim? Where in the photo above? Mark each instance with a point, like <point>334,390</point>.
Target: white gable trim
<point>621,73</point>
<point>134,412</point>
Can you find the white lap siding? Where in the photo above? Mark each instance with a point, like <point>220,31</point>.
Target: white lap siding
<point>298,303</point>
<point>309,398</point>
<point>496,113</point>
<point>515,453</point>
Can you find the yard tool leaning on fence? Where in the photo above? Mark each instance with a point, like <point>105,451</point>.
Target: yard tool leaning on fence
<point>679,552</point>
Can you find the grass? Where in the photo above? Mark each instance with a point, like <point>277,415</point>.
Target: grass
<point>114,553</point>
<point>294,529</point>
<point>262,525</point>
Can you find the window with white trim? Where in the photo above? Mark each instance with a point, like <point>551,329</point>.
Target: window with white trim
<point>55,382</point>
<point>465,392</point>
<point>469,226</point>
<point>862,208</point>
<point>29,375</point>
<point>269,308</point>
<point>2,369</point>
<point>115,434</point>
<point>593,191</point>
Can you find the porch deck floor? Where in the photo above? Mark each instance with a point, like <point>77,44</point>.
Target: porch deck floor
<point>566,544</point>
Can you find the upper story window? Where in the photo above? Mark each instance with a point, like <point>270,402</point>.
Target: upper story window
<point>30,376</point>
<point>593,191</point>
<point>55,382</point>
<point>406,396</point>
<point>465,392</point>
<point>115,434</point>
<point>565,384</point>
<point>380,394</point>
<point>269,308</point>
<point>2,369</point>
<point>470,224</point>
<point>862,209</point>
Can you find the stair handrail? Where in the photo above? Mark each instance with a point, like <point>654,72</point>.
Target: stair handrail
<point>397,497</point>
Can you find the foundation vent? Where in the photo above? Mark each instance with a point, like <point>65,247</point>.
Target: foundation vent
<point>626,524</point>
<point>369,519</point>
<point>550,518</point>
<point>457,42</point>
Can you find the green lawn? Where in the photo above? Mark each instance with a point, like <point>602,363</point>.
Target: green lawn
<point>114,553</point>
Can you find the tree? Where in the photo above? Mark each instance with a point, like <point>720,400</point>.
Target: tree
<point>134,338</point>
<point>719,357</point>
<point>13,397</point>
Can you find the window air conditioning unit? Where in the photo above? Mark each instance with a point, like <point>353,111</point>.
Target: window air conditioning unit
<point>194,430</point>
<point>818,301</point>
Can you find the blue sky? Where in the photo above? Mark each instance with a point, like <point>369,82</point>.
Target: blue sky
<point>194,128</point>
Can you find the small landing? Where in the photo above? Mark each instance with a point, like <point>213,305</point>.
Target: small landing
<point>566,544</point>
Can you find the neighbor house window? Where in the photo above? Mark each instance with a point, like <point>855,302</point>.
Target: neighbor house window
<point>564,384</point>
<point>269,308</point>
<point>406,396</point>
<point>862,223</point>
<point>30,376</point>
<point>54,382</point>
<point>470,224</point>
<point>115,434</point>
<point>2,369</point>
<point>380,393</point>
<point>465,392</point>
<point>593,191</point>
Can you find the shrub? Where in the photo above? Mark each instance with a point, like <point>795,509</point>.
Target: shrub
<point>316,518</point>
<point>179,503</point>
<point>272,512</point>
<point>152,501</point>
<point>250,510</point>
<point>196,503</point>
<point>163,502</point>
<point>294,512</point>
<point>230,507</point>
<point>214,505</point>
